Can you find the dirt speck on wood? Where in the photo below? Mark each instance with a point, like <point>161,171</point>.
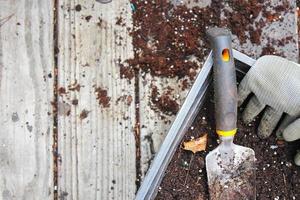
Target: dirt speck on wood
<point>101,96</point>
<point>61,91</point>
<point>75,102</point>
<point>126,72</point>
<point>78,7</point>
<point>125,98</point>
<point>84,114</point>
<point>88,18</point>
<point>165,103</point>
<point>166,38</point>
<point>74,86</point>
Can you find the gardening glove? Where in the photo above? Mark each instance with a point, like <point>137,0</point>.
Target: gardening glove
<point>275,83</point>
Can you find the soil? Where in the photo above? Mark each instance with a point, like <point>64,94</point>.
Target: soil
<point>276,175</point>
<point>165,103</point>
<point>165,37</point>
<point>75,102</point>
<point>169,41</point>
<point>165,40</point>
<point>101,96</point>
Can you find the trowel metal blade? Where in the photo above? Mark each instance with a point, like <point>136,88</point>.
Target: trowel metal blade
<point>231,175</point>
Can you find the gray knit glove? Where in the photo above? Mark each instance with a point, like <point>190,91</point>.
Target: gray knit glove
<point>275,83</point>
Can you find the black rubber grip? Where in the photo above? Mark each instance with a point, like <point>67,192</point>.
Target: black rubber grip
<point>225,89</point>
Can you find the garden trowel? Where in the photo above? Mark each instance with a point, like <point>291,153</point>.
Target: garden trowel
<point>230,167</point>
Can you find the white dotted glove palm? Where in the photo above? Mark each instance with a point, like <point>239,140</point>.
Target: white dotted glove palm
<point>275,83</point>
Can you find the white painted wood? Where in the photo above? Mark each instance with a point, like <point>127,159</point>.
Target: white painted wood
<point>26,59</point>
<point>98,153</point>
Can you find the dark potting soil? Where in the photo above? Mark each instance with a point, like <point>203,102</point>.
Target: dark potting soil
<point>169,41</point>
<point>276,175</point>
<point>165,37</point>
<point>166,41</point>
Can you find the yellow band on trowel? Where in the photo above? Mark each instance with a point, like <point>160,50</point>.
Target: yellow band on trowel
<point>226,133</point>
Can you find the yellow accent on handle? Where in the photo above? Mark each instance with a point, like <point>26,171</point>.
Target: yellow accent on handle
<point>226,133</point>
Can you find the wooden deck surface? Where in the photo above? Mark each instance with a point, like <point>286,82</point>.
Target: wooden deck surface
<point>102,148</point>
<point>26,88</point>
<point>98,150</point>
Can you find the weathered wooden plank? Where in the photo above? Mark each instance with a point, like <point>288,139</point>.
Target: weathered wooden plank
<point>154,128</point>
<point>26,88</point>
<point>97,147</point>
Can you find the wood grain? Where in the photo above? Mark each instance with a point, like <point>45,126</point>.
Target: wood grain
<point>97,149</point>
<point>26,88</point>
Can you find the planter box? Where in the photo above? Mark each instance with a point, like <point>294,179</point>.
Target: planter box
<point>184,119</point>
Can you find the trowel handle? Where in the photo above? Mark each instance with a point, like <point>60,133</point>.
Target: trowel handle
<point>225,88</point>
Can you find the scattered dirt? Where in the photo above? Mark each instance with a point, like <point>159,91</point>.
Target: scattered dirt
<point>101,96</point>
<point>276,175</point>
<point>84,114</point>
<point>78,7</point>
<point>125,98</point>
<point>74,86</point>
<point>126,72</point>
<point>185,85</point>
<point>170,41</point>
<point>88,18</point>
<point>166,37</point>
<point>75,102</point>
<point>61,91</point>
<point>120,21</point>
<point>239,17</point>
<point>100,22</point>
<point>269,50</point>
<point>165,102</point>
<point>239,182</point>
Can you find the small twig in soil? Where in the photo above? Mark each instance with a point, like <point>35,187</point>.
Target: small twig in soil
<point>5,19</point>
<point>187,173</point>
<point>160,50</point>
<point>284,180</point>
